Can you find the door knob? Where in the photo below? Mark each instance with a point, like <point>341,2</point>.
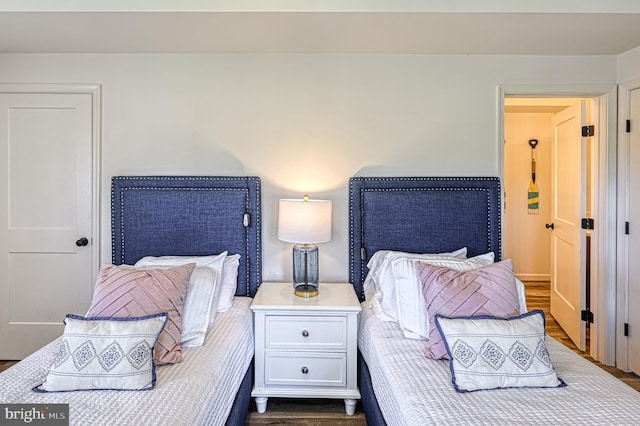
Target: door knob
<point>549,225</point>
<point>82,242</point>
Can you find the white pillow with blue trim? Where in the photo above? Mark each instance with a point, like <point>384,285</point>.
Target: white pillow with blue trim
<point>490,353</point>
<point>105,353</point>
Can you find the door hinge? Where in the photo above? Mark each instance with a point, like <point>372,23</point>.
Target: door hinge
<point>588,131</point>
<point>628,128</point>
<point>626,329</point>
<point>587,223</point>
<point>626,228</point>
<point>587,316</point>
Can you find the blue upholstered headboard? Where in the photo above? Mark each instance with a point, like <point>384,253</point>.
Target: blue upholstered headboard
<point>421,215</point>
<point>188,216</point>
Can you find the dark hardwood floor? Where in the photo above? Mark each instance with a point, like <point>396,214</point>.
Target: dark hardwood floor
<point>315,412</point>
<point>6,364</point>
<point>307,412</point>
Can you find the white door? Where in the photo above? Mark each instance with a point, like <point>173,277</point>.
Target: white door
<point>568,207</point>
<point>633,251</point>
<point>46,208</point>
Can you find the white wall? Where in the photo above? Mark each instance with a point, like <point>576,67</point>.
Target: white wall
<point>629,65</point>
<point>303,123</point>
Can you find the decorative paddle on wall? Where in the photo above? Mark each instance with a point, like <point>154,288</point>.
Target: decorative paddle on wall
<point>533,192</point>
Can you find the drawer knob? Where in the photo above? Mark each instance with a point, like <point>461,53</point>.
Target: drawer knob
<point>304,370</point>
<point>305,333</point>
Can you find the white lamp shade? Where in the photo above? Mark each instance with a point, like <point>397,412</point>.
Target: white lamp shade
<point>304,221</point>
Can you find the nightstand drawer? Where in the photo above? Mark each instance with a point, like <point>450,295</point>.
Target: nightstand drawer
<point>295,369</point>
<point>296,332</point>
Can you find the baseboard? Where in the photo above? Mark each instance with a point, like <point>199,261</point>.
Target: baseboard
<point>534,277</point>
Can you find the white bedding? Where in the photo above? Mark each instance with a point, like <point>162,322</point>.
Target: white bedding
<point>198,391</point>
<point>414,390</point>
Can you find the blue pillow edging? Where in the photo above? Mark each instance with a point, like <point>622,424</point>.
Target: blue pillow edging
<point>489,317</point>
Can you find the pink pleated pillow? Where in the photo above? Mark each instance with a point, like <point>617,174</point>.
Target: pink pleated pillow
<point>127,292</point>
<point>489,290</point>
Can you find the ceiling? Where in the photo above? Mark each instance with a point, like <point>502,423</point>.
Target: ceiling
<point>511,33</point>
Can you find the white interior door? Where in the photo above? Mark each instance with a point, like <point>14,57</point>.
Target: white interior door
<point>568,207</point>
<point>633,184</point>
<point>46,197</point>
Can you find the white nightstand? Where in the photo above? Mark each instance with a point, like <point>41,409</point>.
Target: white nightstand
<point>306,347</point>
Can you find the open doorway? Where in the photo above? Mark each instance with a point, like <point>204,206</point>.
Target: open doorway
<point>548,187</point>
<point>539,100</point>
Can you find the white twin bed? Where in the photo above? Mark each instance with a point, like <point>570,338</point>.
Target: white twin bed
<point>195,391</point>
<point>412,389</point>
<point>159,217</point>
<point>495,371</point>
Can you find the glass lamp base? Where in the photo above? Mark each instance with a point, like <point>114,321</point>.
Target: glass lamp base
<point>305,270</point>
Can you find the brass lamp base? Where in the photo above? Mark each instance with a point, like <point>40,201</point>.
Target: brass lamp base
<point>306,291</point>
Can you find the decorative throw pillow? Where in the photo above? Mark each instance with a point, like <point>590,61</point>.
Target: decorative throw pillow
<point>105,353</point>
<point>380,283</point>
<point>127,292</point>
<point>489,290</point>
<point>490,353</point>
<point>412,315</point>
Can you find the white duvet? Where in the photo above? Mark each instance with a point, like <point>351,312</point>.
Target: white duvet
<point>198,391</point>
<point>414,390</point>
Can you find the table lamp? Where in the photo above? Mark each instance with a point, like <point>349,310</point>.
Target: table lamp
<point>305,222</point>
